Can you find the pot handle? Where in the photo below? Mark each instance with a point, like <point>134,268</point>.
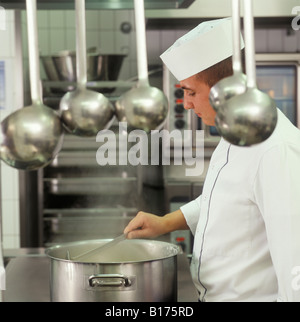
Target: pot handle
<point>103,280</point>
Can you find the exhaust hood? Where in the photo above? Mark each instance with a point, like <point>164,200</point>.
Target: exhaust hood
<point>99,4</point>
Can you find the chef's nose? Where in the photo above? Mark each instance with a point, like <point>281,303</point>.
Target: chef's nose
<point>188,105</point>
<point>187,102</point>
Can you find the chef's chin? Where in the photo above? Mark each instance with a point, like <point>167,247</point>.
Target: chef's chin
<point>207,121</point>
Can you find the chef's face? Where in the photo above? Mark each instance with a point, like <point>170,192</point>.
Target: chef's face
<point>196,97</point>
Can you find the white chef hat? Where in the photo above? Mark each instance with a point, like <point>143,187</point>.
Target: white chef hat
<point>204,46</point>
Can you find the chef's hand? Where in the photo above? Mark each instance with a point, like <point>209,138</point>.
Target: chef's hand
<point>146,225</point>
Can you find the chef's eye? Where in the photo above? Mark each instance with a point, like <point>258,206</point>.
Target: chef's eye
<point>188,92</point>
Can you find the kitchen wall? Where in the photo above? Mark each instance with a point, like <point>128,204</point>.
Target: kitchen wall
<point>57,32</point>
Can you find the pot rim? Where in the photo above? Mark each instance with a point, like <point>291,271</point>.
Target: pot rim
<point>175,251</point>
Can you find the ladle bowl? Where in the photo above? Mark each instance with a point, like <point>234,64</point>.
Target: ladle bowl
<point>226,89</point>
<point>143,107</point>
<point>85,112</point>
<point>247,119</point>
<point>31,137</point>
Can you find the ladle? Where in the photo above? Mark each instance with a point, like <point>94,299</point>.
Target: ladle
<point>143,107</point>
<point>99,249</point>
<point>84,112</point>
<point>250,118</point>
<point>32,136</point>
<point>235,84</point>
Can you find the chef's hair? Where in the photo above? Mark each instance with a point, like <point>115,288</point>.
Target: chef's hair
<point>212,75</point>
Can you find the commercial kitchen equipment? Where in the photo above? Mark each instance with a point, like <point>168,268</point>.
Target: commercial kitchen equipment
<point>77,198</point>
<point>28,277</point>
<point>143,107</point>
<point>278,74</point>
<point>61,67</point>
<point>41,188</point>
<point>132,271</point>
<point>74,198</point>
<point>31,137</point>
<point>84,112</point>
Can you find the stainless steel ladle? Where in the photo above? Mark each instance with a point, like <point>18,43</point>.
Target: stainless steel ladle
<point>84,112</point>
<point>32,136</point>
<point>98,250</point>
<point>143,107</point>
<point>250,118</point>
<point>235,84</point>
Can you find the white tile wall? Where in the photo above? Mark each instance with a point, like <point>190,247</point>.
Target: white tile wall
<point>57,32</point>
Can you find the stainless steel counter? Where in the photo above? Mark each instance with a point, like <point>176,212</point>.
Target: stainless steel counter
<point>27,277</point>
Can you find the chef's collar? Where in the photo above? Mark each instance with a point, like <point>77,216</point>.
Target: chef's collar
<point>204,46</point>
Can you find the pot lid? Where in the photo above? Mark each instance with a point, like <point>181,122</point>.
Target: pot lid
<point>99,4</point>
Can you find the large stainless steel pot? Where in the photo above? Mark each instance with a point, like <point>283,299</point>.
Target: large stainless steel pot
<point>132,271</point>
<point>100,67</point>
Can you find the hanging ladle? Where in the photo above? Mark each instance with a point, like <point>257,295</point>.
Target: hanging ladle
<point>32,136</point>
<point>84,112</point>
<point>235,84</point>
<point>143,107</point>
<point>250,118</point>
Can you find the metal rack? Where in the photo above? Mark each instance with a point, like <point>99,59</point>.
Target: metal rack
<point>99,4</point>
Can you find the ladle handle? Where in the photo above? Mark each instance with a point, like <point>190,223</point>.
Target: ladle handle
<point>99,249</point>
<point>81,56</point>
<point>250,44</point>
<point>236,35</point>
<point>139,10</point>
<point>33,50</point>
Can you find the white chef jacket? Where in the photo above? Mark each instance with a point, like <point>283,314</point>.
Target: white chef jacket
<point>246,223</point>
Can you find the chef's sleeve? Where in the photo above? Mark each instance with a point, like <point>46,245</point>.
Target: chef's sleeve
<point>191,212</point>
<point>277,192</point>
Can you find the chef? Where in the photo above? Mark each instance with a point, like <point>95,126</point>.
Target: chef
<point>246,223</point>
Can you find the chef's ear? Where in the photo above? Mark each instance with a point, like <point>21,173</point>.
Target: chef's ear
<point>212,75</point>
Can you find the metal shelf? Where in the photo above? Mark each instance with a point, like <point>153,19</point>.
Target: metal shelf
<point>99,4</point>
<point>109,84</point>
